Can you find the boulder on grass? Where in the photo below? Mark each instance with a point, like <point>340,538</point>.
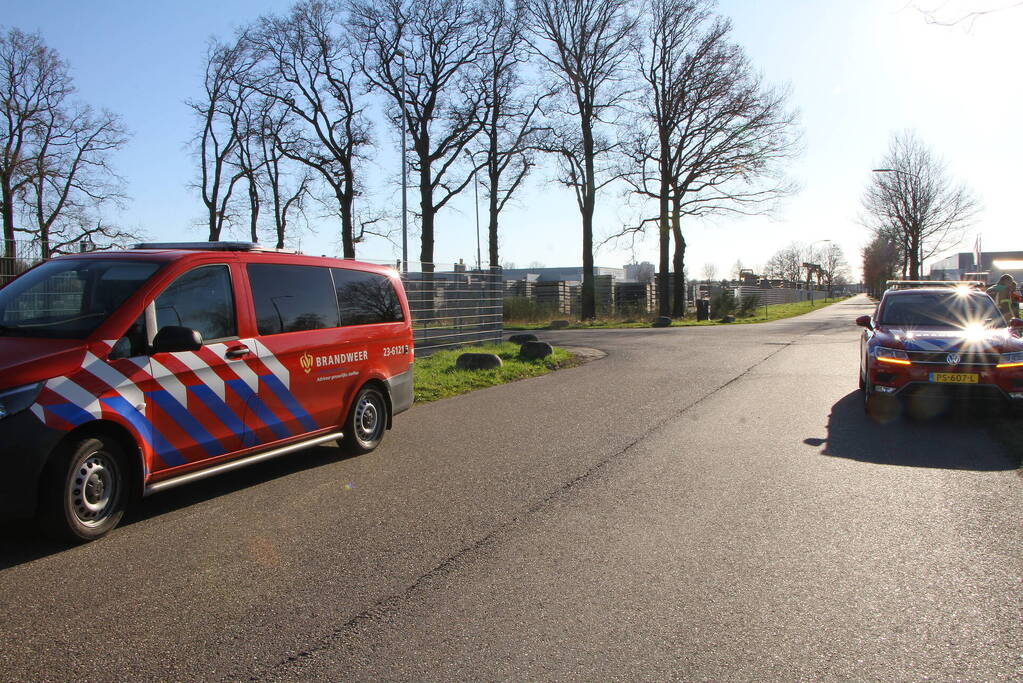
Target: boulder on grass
<point>533,350</point>
<point>521,338</point>
<point>478,361</point>
<point>558,324</point>
<point>661,321</point>
<point>728,319</point>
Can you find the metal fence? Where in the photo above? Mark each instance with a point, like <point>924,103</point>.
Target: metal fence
<point>24,256</point>
<point>454,306</point>
<point>451,306</point>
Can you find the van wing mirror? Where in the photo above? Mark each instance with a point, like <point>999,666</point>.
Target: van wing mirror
<point>1016,325</point>
<point>176,338</point>
<point>864,321</point>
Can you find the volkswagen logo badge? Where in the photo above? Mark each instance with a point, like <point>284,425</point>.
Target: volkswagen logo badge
<point>953,359</point>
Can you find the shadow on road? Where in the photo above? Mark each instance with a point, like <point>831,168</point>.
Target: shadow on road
<point>948,442</point>
<point>21,541</point>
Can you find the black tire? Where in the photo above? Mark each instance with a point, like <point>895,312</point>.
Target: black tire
<point>863,382</point>
<point>366,423</point>
<point>84,490</point>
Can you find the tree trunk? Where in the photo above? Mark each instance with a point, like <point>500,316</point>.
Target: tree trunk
<point>10,250</point>
<point>253,210</point>
<point>214,224</point>
<point>425,201</point>
<point>679,263</point>
<point>589,294</point>
<point>663,293</point>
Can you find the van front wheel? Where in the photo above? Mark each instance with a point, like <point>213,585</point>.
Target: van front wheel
<point>84,490</point>
<point>367,420</point>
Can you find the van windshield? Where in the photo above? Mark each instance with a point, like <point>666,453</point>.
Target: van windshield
<point>69,298</point>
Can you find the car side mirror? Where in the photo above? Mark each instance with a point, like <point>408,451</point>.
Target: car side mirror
<point>176,338</point>
<point>1016,325</point>
<point>864,321</point>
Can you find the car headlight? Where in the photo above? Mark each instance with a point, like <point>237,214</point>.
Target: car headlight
<point>18,399</point>
<point>896,356</point>
<point>1011,360</point>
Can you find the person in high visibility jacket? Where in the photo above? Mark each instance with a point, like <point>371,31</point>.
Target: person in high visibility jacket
<point>1002,293</point>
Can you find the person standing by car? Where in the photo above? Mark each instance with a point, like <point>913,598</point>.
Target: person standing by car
<point>1002,293</point>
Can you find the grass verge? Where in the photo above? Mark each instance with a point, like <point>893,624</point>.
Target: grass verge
<point>436,376</point>
<point>763,314</point>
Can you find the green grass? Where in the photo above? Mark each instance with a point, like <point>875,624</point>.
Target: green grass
<point>436,376</point>
<point>775,312</point>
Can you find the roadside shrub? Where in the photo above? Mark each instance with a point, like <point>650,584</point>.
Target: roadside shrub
<point>749,305</point>
<point>723,304</point>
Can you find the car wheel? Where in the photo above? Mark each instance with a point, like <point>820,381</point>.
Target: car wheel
<point>863,381</point>
<point>366,423</point>
<point>84,490</point>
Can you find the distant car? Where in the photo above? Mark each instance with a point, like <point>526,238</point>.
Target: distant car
<point>939,343</point>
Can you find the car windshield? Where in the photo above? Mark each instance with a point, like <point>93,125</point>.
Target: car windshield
<point>69,298</point>
<point>954,309</point>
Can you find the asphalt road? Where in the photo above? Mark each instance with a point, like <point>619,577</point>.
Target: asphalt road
<point>701,504</point>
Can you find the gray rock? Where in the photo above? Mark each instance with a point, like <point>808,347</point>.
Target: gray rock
<point>728,319</point>
<point>559,324</point>
<point>661,321</point>
<point>521,338</point>
<point>478,361</point>
<point>532,350</point>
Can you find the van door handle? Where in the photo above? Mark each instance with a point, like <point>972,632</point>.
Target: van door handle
<point>237,352</point>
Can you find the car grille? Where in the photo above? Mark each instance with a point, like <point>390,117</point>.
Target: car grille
<point>941,358</point>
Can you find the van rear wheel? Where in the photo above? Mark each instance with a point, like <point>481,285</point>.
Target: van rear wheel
<point>84,490</point>
<point>366,423</point>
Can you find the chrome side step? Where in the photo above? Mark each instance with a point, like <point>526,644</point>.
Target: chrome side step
<point>238,464</point>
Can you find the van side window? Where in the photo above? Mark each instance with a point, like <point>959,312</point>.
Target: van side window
<point>133,342</point>
<point>365,297</point>
<point>292,298</point>
<point>200,299</point>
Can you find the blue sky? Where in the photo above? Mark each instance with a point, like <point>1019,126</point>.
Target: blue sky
<point>857,69</point>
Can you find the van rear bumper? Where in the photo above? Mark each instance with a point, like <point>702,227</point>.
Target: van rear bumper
<point>25,446</point>
<point>400,389</point>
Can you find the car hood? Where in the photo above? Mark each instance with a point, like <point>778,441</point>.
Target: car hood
<point>24,360</point>
<point>998,340</point>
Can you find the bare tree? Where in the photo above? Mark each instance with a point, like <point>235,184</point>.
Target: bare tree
<point>948,13</point>
<point>424,55</point>
<point>509,133</point>
<point>710,271</point>
<point>670,31</point>
<point>584,46</point>
<point>286,191</point>
<point>72,178</point>
<point>913,199</point>
<point>786,263</point>
<point>306,66</point>
<point>881,262</point>
<point>219,114</point>
<point>715,135</point>
<point>834,269</point>
<point>55,170</point>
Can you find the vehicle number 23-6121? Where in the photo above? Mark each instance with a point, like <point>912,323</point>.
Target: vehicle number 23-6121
<point>395,350</point>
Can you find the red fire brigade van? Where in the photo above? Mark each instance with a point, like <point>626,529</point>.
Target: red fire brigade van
<point>126,373</point>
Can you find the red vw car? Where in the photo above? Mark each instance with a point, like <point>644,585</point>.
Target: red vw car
<point>931,344</point>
